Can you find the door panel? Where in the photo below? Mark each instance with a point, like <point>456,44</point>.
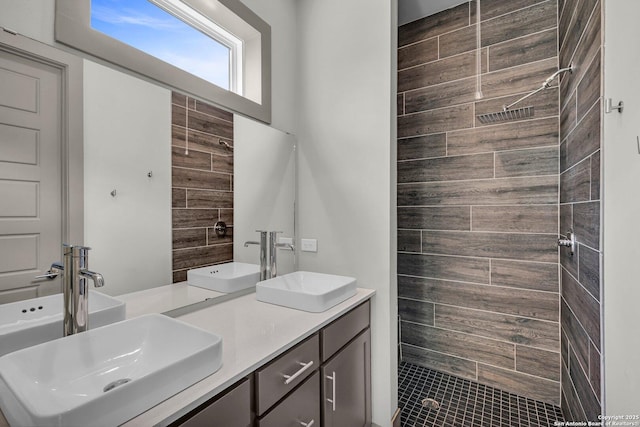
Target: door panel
<point>30,175</point>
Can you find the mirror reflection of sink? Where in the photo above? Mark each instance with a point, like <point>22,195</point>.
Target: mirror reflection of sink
<point>307,291</point>
<point>37,320</point>
<point>105,376</point>
<point>227,278</point>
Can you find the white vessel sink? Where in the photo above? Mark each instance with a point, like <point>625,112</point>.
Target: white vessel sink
<point>105,376</point>
<point>227,278</point>
<point>307,291</point>
<point>37,320</point>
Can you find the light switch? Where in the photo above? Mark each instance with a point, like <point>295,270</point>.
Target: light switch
<point>309,245</point>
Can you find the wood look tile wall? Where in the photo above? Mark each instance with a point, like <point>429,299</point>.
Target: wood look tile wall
<point>202,182</point>
<point>580,132</point>
<point>478,212</point>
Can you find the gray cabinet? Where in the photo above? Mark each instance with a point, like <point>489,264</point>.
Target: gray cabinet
<point>300,408</point>
<point>346,385</point>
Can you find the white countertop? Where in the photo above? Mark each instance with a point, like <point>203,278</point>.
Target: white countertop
<point>253,333</point>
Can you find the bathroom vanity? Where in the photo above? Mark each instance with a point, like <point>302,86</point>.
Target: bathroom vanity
<point>280,367</point>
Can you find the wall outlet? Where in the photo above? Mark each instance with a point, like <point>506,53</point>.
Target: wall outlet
<point>309,245</point>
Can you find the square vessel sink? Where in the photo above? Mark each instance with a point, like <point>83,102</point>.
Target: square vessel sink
<point>105,376</point>
<point>307,291</point>
<point>227,278</point>
<point>37,320</point>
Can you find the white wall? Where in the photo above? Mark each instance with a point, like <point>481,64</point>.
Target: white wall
<point>346,143</point>
<point>621,166</point>
<point>127,133</point>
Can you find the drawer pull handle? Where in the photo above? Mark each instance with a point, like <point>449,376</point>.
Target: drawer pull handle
<point>309,424</point>
<point>333,391</point>
<point>289,378</point>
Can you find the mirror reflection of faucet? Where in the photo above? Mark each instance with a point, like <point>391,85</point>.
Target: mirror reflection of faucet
<point>271,271</point>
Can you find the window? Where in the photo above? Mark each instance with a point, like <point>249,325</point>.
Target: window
<point>217,50</point>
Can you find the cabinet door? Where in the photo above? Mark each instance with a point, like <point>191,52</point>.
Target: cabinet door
<point>346,385</point>
<point>233,409</point>
<point>300,408</point>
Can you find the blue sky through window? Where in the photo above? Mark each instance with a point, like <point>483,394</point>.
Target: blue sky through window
<point>143,25</point>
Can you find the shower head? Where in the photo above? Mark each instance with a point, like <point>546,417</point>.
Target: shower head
<point>508,113</point>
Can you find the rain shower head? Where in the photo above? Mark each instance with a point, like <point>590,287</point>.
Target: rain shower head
<point>508,113</point>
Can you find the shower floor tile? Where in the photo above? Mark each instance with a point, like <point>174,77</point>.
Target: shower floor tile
<point>465,403</point>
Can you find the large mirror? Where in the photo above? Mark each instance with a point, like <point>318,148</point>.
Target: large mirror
<point>157,179</point>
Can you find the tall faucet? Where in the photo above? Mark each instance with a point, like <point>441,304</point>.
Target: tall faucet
<point>75,274</point>
<point>263,252</point>
<point>273,246</point>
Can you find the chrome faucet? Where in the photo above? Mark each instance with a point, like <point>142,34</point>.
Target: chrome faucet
<point>263,252</point>
<point>273,247</point>
<point>75,287</point>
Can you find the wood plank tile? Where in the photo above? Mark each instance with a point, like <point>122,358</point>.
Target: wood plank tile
<point>524,219</point>
<point>493,8</point>
<point>519,383</point>
<point>178,198</point>
<point>589,88</point>
<point>589,268</point>
<point>520,79</point>
<point>191,178</point>
<point>594,371</point>
<point>194,160</point>
<point>210,125</point>
<point>502,327</point>
<point>452,168</point>
<point>587,396</point>
<point>577,25</point>
<point>209,199</point>
<point>436,121</point>
<point>400,106</point>
<point>529,162</point>
<point>565,14</point>
<point>445,70</point>
<point>222,163</point>
<point>421,147</point>
<point>179,276</point>
<point>570,262</point>
<point>214,111</point>
<point>459,41</point>
<point>409,241</point>
<point>418,53</point>
<point>595,176</point>
<point>586,223</point>
<point>190,218</point>
<point>504,191</point>
<point>584,306</point>
<point>525,275</point>
<point>202,256</point>
<point>189,238</point>
<point>441,95</point>
<point>458,366</point>
<point>541,16</point>
<point>575,334</point>
<point>588,48</point>
<point>443,267</point>
<point>178,116</point>
<point>538,362</point>
<point>570,397</point>
<point>458,344</point>
<point>568,117</point>
<point>178,98</point>
<point>531,247</point>
<point>544,103</point>
<point>506,136</point>
<point>214,239</point>
<point>435,218</point>
<point>519,51</point>
<point>415,311</point>
<point>430,26</point>
<point>585,138</point>
<point>575,183</point>
<point>539,305</point>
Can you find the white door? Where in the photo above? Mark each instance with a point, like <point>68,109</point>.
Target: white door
<point>31,196</point>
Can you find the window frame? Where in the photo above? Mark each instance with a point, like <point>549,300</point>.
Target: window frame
<point>73,28</point>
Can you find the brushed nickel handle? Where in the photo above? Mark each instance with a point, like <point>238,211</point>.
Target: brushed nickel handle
<point>333,391</point>
<point>49,275</point>
<point>289,378</point>
<point>309,424</point>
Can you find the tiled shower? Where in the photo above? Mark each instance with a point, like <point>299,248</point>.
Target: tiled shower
<point>482,291</point>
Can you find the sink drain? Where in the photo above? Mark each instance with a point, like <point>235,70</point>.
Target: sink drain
<point>115,384</point>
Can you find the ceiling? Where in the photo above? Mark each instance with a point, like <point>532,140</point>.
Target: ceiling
<point>410,10</point>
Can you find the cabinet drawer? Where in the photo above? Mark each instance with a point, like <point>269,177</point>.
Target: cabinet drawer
<point>340,332</point>
<point>233,409</point>
<point>301,406</point>
<point>279,377</point>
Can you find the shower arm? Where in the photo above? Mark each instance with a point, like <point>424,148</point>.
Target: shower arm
<point>545,85</point>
